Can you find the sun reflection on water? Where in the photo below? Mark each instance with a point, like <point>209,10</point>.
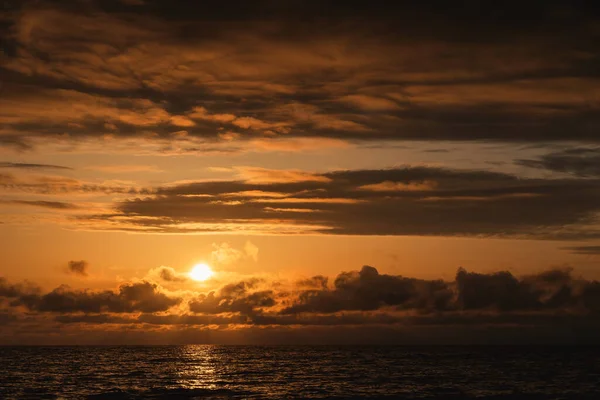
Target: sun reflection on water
<point>198,367</point>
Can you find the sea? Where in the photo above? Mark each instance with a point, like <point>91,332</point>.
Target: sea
<point>284,372</point>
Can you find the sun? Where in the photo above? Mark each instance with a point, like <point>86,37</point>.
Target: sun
<point>201,272</point>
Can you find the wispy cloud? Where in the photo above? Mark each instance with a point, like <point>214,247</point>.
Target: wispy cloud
<point>59,205</point>
<point>30,166</point>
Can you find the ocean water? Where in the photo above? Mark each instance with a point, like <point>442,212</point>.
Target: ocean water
<point>222,372</point>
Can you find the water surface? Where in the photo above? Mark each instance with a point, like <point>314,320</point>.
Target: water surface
<point>123,372</point>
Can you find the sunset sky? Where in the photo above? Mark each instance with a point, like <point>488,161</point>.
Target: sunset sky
<point>333,163</point>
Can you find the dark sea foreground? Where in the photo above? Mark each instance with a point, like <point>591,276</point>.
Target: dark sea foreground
<point>222,372</point>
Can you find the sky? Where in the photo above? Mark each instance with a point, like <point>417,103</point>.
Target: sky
<point>351,172</point>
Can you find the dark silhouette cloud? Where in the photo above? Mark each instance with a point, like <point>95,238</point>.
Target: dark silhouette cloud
<point>78,267</point>
<point>582,162</point>
<point>235,298</point>
<point>366,290</point>
<point>491,306</point>
<point>11,291</point>
<point>398,201</point>
<point>131,297</point>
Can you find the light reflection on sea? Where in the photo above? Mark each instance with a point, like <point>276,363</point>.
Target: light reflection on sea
<point>122,372</point>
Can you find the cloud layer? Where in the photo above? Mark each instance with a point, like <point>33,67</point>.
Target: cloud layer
<point>158,70</point>
<point>398,201</point>
<point>364,298</point>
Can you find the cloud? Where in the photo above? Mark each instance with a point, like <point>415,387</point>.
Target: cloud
<point>389,186</point>
<point>224,254</point>
<point>586,250</point>
<point>251,250</point>
<point>78,267</point>
<point>367,290</point>
<point>130,298</point>
<point>397,201</point>
<point>582,162</point>
<point>266,176</point>
<point>258,73</point>
<point>58,205</point>
<point>365,299</point>
<point>369,103</point>
<point>31,166</point>
<point>365,295</point>
<point>233,298</point>
<point>315,282</point>
<point>170,275</point>
<point>501,292</point>
<point>57,185</point>
<point>9,290</point>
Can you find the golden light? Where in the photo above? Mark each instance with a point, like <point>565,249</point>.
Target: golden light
<point>201,272</point>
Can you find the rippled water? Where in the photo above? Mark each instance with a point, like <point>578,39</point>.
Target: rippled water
<point>304,371</point>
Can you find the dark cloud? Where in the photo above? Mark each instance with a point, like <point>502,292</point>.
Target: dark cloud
<point>367,290</point>
<point>352,71</point>
<point>318,282</point>
<point>78,267</point>
<point>479,303</point>
<point>399,201</point>
<point>7,318</point>
<point>588,250</point>
<point>59,205</point>
<point>8,290</point>
<point>15,142</point>
<point>354,296</point>
<point>31,166</point>
<point>582,162</point>
<point>131,297</point>
<point>234,298</point>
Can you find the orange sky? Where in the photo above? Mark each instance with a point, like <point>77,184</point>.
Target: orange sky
<point>284,142</point>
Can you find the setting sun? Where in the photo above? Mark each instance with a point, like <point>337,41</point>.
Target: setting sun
<point>201,272</point>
